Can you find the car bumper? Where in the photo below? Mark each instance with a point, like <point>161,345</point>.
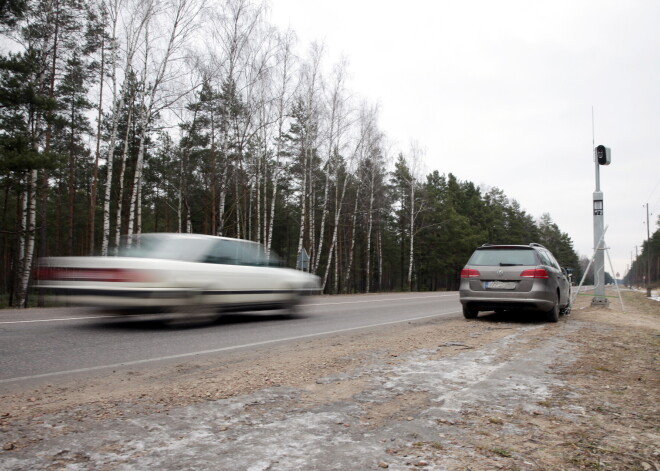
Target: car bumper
<point>119,297</point>
<point>170,297</point>
<point>538,301</point>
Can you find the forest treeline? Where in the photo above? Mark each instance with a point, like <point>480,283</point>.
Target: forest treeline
<point>644,270</point>
<point>126,116</point>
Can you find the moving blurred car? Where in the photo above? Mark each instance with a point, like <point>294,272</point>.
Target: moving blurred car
<point>526,277</point>
<point>169,272</point>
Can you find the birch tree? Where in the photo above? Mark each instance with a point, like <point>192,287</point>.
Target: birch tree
<point>285,62</point>
<point>415,162</point>
<point>135,19</point>
<point>254,128</point>
<point>100,16</point>
<point>335,130</point>
<point>355,155</point>
<point>178,21</point>
<point>232,29</point>
<point>405,186</point>
<point>28,80</point>
<point>308,114</point>
<point>198,132</point>
<point>23,106</point>
<point>26,254</point>
<point>373,182</point>
<point>366,155</point>
<point>130,92</point>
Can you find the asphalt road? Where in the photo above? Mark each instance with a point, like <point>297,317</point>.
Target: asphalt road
<point>38,344</point>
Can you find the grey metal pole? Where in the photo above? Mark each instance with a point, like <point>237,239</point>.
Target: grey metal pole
<point>648,257</point>
<point>599,244</point>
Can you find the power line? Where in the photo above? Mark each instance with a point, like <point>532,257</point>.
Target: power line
<point>651,195</point>
<point>655,206</point>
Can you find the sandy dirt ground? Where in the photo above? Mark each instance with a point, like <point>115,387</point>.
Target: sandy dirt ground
<point>500,392</point>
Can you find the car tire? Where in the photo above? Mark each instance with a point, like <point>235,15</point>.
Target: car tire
<point>566,310</point>
<point>470,313</point>
<point>292,308</point>
<point>553,314</point>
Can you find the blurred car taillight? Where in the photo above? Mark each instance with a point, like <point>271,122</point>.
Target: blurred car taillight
<point>116,275</point>
<point>535,273</point>
<point>470,273</point>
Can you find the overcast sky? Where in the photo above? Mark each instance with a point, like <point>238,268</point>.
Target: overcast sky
<point>501,93</point>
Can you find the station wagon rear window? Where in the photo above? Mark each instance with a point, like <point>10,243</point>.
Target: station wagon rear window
<point>503,257</point>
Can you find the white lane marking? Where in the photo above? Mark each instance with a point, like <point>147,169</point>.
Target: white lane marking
<point>56,320</point>
<point>217,350</point>
<point>316,304</point>
<point>409,298</point>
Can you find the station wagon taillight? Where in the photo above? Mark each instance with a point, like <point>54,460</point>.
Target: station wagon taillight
<point>535,273</point>
<point>470,273</point>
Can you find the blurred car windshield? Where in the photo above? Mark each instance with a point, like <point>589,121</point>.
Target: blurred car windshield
<point>166,247</point>
<point>199,249</point>
<point>240,252</point>
<point>503,257</point>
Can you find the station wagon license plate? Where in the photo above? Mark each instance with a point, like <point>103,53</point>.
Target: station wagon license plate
<point>500,285</point>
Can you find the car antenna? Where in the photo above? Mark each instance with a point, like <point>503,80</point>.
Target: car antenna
<point>593,146</point>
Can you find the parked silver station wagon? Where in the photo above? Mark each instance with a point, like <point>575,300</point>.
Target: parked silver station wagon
<point>521,277</point>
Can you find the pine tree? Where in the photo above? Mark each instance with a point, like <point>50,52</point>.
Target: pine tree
<point>24,107</point>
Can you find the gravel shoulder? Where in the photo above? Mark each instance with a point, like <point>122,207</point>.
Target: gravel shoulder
<point>499,392</point>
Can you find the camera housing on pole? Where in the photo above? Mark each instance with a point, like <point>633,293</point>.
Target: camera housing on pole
<point>603,155</point>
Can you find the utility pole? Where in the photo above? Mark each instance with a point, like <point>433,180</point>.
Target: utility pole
<point>648,256</point>
<point>631,273</point>
<point>602,157</point>
<point>637,264</point>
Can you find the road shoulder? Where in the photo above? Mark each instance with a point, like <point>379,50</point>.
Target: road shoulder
<point>494,393</point>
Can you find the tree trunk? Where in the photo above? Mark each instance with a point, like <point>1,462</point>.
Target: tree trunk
<point>257,189</point>
<point>222,199</point>
<point>412,235</point>
<point>339,200</point>
<point>122,172</point>
<point>303,205</point>
<point>324,215</point>
<point>118,105</point>
<point>380,260</point>
<point>134,209</point>
<point>370,223</point>
<point>179,194</point>
<point>22,241</point>
<point>72,183</point>
<point>109,175</point>
<point>311,206</point>
<point>30,217</point>
<point>95,175</point>
<point>281,113</point>
<point>214,178</point>
<point>353,234</point>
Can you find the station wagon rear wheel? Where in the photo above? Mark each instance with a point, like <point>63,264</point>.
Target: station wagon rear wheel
<point>470,313</point>
<point>553,314</point>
